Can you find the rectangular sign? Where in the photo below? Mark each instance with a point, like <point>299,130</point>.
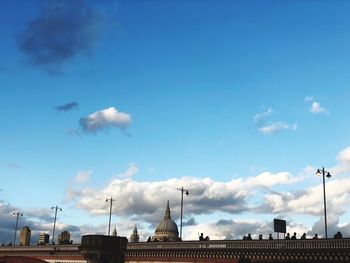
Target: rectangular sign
<point>279,225</point>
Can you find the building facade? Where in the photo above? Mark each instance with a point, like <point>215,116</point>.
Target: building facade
<point>24,236</point>
<point>44,239</point>
<point>64,238</point>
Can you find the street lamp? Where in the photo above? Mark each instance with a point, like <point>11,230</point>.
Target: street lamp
<point>182,206</point>
<point>328,175</point>
<point>110,200</point>
<point>16,214</point>
<point>56,208</point>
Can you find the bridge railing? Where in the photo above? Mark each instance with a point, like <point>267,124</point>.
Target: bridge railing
<point>251,244</point>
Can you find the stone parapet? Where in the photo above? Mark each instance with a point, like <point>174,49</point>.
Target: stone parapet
<point>321,250</point>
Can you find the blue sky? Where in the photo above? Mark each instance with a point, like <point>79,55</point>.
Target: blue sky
<point>238,101</point>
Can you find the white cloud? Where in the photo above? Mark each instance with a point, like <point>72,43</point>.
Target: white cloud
<point>83,176</point>
<point>343,165</point>
<point>310,201</point>
<point>143,203</point>
<point>260,116</point>
<point>316,108</point>
<point>105,119</point>
<point>147,199</point>
<point>267,179</point>
<point>344,155</point>
<point>271,127</point>
<point>277,127</point>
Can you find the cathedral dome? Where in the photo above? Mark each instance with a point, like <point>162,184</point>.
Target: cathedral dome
<point>167,225</point>
<point>167,229</point>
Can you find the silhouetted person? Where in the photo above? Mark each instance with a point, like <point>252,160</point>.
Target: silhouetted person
<point>201,237</point>
<point>294,237</point>
<point>288,236</point>
<point>338,235</point>
<point>315,236</point>
<point>303,236</point>
<point>149,239</point>
<point>260,237</point>
<point>206,238</point>
<point>249,237</point>
<point>270,237</point>
<point>244,237</point>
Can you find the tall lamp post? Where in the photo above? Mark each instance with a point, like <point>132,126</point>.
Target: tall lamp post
<point>182,206</point>
<point>16,214</point>
<point>110,200</point>
<point>328,175</point>
<point>56,208</point>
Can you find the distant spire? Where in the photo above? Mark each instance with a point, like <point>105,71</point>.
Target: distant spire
<point>114,233</point>
<point>167,211</point>
<point>134,236</point>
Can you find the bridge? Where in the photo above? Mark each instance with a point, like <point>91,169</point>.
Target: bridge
<point>321,250</point>
<point>220,251</point>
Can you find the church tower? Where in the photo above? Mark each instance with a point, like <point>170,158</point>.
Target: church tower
<point>134,236</point>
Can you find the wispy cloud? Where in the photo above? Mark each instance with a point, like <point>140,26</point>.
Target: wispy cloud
<point>259,116</point>
<point>275,127</point>
<point>269,127</point>
<point>131,171</point>
<point>14,165</point>
<point>67,107</point>
<point>105,119</point>
<point>308,98</point>
<point>83,176</point>
<point>63,30</point>
<point>315,106</point>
